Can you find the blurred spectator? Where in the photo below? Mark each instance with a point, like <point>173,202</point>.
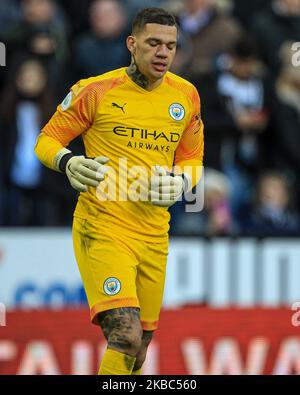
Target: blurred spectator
<point>10,13</point>
<point>286,142</point>
<point>26,105</point>
<point>184,50</point>
<point>247,99</point>
<point>42,30</point>
<point>42,44</point>
<point>215,219</point>
<point>216,216</point>
<point>77,11</point>
<point>133,6</point>
<point>272,213</point>
<point>218,121</point>
<point>104,47</point>
<point>274,27</point>
<point>211,33</point>
<point>246,11</point>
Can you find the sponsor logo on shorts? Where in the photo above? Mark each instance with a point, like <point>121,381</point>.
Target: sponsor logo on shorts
<point>177,111</point>
<point>112,286</point>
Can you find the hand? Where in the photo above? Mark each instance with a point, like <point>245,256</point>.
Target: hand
<point>83,172</point>
<point>166,188</point>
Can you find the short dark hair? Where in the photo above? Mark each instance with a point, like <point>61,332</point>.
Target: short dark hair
<point>152,15</point>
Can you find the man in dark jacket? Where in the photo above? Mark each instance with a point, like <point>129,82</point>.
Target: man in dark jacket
<point>272,28</point>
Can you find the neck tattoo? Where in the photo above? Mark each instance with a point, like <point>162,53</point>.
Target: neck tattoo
<point>136,75</point>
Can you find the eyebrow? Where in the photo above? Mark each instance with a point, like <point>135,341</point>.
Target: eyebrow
<point>158,40</point>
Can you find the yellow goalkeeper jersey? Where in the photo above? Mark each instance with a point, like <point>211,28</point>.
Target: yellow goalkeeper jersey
<point>136,129</point>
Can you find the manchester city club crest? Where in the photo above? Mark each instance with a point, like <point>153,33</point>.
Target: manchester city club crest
<point>112,286</point>
<point>176,111</point>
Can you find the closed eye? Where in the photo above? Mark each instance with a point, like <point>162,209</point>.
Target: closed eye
<point>155,43</point>
<point>171,46</point>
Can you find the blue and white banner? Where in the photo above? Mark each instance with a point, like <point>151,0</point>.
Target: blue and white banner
<point>38,269</point>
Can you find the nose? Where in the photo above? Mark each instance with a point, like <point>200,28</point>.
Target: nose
<point>162,51</point>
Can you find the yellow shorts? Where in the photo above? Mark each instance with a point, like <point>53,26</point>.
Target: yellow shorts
<point>120,271</point>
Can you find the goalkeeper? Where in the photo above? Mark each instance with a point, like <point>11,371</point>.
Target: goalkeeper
<point>136,117</point>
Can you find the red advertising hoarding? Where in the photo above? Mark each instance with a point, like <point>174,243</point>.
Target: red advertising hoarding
<point>191,340</point>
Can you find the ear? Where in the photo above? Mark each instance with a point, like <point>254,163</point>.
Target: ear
<point>131,44</point>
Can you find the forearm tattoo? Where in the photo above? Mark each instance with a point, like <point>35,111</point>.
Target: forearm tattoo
<point>118,324</point>
<point>136,75</point>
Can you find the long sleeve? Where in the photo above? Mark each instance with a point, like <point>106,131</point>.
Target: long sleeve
<point>189,153</point>
<point>73,117</point>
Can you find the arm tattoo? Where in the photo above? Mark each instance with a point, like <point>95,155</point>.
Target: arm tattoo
<point>117,324</point>
<point>136,75</point>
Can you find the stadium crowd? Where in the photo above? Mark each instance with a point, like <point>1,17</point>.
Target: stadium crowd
<point>237,53</point>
